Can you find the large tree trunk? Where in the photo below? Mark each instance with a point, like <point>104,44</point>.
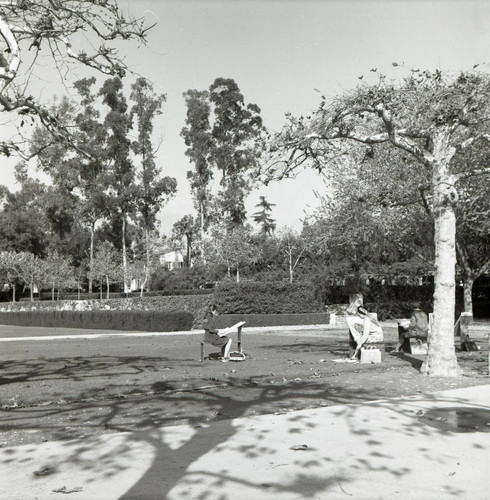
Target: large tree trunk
<point>441,357</point>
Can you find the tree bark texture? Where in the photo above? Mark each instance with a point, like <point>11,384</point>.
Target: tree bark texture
<point>441,357</point>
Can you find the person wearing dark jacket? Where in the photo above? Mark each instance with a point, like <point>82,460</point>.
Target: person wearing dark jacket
<point>418,328</point>
<point>211,334</point>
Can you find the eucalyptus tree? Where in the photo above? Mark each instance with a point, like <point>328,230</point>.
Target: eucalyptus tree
<point>223,136</point>
<point>430,117</point>
<point>153,190</point>
<point>197,138</point>
<point>235,149</point>
<point>121,172</point>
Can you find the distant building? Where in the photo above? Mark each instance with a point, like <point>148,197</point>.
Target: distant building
<point>172,260</point>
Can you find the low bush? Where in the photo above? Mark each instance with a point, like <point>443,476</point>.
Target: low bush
<point>266,298</point>
<point>396,310</point>
<point>258,320</point>
<point>150,321</point>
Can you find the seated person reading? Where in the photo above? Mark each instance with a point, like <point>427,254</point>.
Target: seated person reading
<point>418,328</point>
<point>211,334</point>
<point>364,328</point>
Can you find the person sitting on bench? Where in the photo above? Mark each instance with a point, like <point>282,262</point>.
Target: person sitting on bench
<point>417,329</point>
<point>212,337</point>
<point>364,328</point>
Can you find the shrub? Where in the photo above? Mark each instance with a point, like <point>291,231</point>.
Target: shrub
<point>258,320</point>
<point>150,321</point>
<point>266,298</point>
<point>185,278</point>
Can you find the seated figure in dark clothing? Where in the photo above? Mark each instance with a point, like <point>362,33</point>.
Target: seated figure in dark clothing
<point>211,334</point>
<point>418,328</point>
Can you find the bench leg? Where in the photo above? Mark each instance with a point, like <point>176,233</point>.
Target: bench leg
<point>240,339</point>
<point>202,352</point>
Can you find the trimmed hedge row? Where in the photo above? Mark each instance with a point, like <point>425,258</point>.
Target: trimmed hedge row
<point>266,298</point>
<point>224,320</point>
<point>46,296</point>
<point>149,321</point>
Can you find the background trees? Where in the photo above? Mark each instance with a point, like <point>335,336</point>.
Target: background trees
<point>222,137</point>
<point>263,217</point>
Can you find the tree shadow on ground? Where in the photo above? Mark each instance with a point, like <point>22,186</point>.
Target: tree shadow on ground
<point>171,465</point>
<point>143,414</point>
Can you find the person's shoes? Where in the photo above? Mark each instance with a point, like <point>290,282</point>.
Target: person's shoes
<point>224,360</point>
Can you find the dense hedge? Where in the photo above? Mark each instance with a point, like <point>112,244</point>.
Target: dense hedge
<point>151,321</point>
<point>194,304</point>
<point>225,320</point>
<point>266,298</point>
<point>47,296</point>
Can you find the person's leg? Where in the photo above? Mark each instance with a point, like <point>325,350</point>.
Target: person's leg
<point>401,339</point>
<point>355,325</point>
<point>226,353</point>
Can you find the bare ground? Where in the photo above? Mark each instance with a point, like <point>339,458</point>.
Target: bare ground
<point>126,384</point>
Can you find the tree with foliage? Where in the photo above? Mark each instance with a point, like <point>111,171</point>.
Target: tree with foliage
<point>58,273</point>
<point>107,266</point>
<point>293,247</point>
<point>8,270</point>
<point>235,149</point>
<point>23,224</point>
<point>473,218</point>
<point>56,30</point>
<point>76,199</point>
<point>122,195</point>
<point>232,248</point>
<point>91,169</point>
<point>429,116</point>
<point>24,267</point>
<point>372,216</point>
<point>185,228</point>
<point>263,217</point>
<point>152,190</point>
<point>222,135</point>
<point>197,137</point>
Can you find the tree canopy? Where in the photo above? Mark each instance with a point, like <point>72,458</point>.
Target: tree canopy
<point>83,32</point>
<point>429,116</point>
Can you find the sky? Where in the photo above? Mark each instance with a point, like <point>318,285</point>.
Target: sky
<point>284,55</point>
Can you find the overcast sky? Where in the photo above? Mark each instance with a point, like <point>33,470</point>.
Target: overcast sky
<point>280,51</point>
